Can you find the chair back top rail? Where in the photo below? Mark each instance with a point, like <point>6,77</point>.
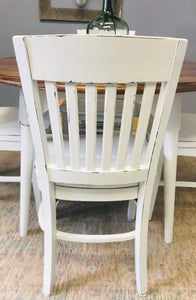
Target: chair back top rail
<point>147,58</point>
<point>92,60</point>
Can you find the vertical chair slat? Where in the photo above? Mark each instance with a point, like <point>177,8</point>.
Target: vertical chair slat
<point>73,124</point>
<point>156,120</point>
<point>91,125</point>
<point>125,130</point>
<point>147,101</point>
<point>53,106</point>
<point>42,139</point>
<point>109,114</point>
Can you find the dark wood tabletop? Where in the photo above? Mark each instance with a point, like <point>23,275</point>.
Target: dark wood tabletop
<point>9,75</point>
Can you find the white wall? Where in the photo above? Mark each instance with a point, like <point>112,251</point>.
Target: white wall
<point>175,18</point>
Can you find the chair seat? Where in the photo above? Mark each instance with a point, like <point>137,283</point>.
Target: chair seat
<point>97,193</point>
<point>9,124</point>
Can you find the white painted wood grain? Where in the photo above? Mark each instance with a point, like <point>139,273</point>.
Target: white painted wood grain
<point>126,122</point>
<point>55,121</point>
<point>84,51</point>
<point>132,59</point>
<point>73,124</point>
<point>146,106</point>
<point>91,125</point>
<point>108,127</point>
<point>84,238</point>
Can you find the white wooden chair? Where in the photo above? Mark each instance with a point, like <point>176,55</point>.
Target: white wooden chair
<point>103,167</point>
<point>10,140</point>
<point>187,142</point>
<point>186,146</point>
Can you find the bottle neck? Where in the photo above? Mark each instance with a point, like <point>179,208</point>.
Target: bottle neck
<point>107,7</point>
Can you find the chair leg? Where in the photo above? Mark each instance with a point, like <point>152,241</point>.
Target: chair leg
<point>170,164</point>
<point>26,175</point>
<point>38,198</point>
<point>49,206</point>
<point>156,185</point>
<point>142,215</point>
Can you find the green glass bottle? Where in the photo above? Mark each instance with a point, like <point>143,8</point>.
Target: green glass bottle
<point>107,22</point>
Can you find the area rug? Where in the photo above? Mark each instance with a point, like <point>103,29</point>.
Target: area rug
<point>97,271</point>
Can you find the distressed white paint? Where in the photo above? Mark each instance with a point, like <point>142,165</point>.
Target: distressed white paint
<point>109,114</point>
<point>53,106</point>
<point>26,166</point>
<point>70,58</point>
<point>96,195</point>
<point>146,107</point>
<point>98,177</point>
<point>73,124</point>
<point>132,59</point>
<point>91,126</point>
<point>126,122</point>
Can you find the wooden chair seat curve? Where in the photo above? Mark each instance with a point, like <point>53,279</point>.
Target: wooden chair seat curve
<point>86,59</point>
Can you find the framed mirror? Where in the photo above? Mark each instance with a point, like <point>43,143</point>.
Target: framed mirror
<point>69,10</point>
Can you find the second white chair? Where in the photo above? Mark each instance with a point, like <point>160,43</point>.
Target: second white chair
<point>10,140</point>
<point>187,142</point>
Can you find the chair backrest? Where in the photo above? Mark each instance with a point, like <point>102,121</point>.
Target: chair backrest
<point>92,60</point>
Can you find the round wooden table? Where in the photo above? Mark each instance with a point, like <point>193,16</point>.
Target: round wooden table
<point>187,83</point>
<point>9,75</point>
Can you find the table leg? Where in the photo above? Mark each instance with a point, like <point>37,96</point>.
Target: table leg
<point>170,162</point>
<point>26,176</point>
<point>26,164</point>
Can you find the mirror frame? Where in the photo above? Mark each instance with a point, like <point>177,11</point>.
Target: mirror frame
<point>49,13</point>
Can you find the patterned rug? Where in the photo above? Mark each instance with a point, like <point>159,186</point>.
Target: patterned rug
<point>97,271</point>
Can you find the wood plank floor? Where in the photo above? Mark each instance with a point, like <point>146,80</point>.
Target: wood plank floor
<point>99,271</point>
